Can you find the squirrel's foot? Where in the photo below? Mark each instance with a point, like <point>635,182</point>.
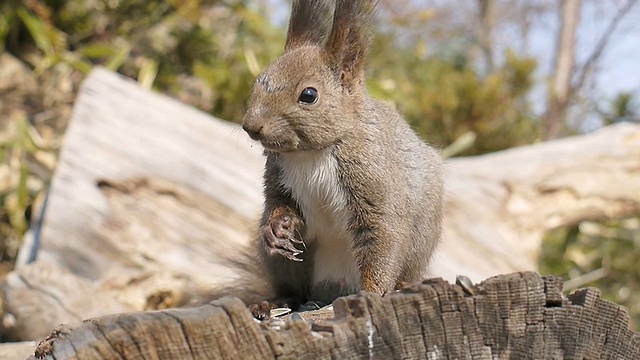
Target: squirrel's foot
<point>280,234</point>
<point>312,305</point>
<point>262,310</point>
<point>266,310</point>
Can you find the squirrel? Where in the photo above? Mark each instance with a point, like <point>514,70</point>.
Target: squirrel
<point>353,197</point>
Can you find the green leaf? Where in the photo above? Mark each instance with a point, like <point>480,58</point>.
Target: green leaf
<point>118,59</point>
<point>147,73</point>
<point>37,30</point>
<point>83,66</point>
<point>4,30</point>
<point>98,51</point>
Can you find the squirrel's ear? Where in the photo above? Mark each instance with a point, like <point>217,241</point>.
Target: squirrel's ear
<point>349,40</point>
<point>309,24</point>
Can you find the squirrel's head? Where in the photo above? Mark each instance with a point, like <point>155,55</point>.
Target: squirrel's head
<point>309,98</point>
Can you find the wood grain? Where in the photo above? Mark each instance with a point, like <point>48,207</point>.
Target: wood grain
<point>515,316</point>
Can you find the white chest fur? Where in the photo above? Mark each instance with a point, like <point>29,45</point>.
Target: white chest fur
<point>312,179</point>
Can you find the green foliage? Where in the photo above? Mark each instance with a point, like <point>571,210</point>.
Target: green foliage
<point>446,98</point>
<point>19,143</point>
<point>623,107</point>
<point>603,255</point>
<point>14,149</point>
<point>208,52</point>
<point>204,52</point>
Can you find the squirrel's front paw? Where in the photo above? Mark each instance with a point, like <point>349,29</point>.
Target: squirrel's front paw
<point>280,233</point>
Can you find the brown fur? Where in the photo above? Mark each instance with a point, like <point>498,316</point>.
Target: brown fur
<point>390,181</point>
<point>310,23</point>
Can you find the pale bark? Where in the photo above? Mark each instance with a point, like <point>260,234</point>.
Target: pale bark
<point>568,78</point>
<point>561,86</point>
<point>485,33</point>
<point>588,67</point>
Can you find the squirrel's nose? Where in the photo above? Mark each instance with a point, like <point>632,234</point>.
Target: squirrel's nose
<point>254,131</point>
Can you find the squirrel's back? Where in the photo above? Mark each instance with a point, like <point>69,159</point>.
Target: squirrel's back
<point>393,165</point>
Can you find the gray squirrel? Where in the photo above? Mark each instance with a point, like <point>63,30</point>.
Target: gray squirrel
<point>353,197</point>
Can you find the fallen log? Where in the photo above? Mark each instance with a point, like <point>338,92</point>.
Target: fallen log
<point>516,316</point>
<point>153,201</point>
<point>17,351</point>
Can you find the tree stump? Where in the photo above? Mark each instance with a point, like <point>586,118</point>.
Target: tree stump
<point>516,316</point>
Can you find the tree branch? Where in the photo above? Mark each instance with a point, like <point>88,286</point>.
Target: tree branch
<point>586,69</point>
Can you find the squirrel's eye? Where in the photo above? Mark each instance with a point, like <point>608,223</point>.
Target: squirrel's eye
<point>308,96</point>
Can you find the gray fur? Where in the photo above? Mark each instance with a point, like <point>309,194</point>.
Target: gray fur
<point>345,177</point>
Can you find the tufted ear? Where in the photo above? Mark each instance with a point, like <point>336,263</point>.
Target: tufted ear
<point>349,40</point>
<point>309,24</point>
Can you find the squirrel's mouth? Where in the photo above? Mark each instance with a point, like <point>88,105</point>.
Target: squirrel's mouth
<point>277,146</point>
<point>293,145</point>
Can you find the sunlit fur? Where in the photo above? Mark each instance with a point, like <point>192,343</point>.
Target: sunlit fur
<point>363,190</point>
<point>312,179</point>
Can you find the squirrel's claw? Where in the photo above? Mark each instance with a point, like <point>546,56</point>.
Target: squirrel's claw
<point>294,256</point>
<point>279,238</point>
<point>296,240</point>
<point>291,255</point>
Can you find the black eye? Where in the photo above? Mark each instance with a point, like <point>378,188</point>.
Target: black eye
<point>308,96</point>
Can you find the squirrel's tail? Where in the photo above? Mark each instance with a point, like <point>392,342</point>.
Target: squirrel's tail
<point>245,281</point>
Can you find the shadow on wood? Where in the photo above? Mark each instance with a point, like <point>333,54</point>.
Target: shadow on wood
<point>516,316</point>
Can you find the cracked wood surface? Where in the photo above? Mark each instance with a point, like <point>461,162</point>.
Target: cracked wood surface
<point>153,202</point>
<point>515,316</point>
<point>500,205</point>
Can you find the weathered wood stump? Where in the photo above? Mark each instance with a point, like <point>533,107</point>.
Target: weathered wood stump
<point>516,316</point>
